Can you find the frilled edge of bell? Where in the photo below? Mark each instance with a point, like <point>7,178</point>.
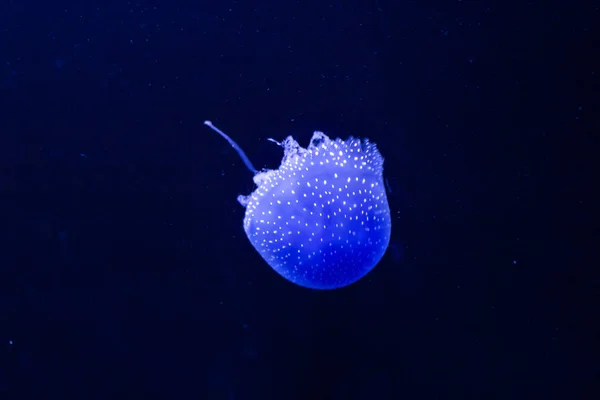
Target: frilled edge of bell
<point>292,151</point>
<point>320,141</point>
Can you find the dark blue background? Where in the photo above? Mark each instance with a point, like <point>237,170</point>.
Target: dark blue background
<point>124,268</point>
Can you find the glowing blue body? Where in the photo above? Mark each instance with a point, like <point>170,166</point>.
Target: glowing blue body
<point>322,219</point>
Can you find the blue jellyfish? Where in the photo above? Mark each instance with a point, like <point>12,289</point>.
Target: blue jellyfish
<point>322,219</point>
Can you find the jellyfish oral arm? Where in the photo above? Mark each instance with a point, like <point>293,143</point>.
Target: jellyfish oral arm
<point>234,145</point>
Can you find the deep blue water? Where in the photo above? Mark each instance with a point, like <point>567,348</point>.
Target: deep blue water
<point>124,267</point>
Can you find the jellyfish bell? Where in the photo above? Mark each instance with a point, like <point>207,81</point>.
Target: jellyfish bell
<point>321,220</point>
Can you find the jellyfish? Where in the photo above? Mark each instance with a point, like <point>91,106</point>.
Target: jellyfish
<point>322,219</point>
